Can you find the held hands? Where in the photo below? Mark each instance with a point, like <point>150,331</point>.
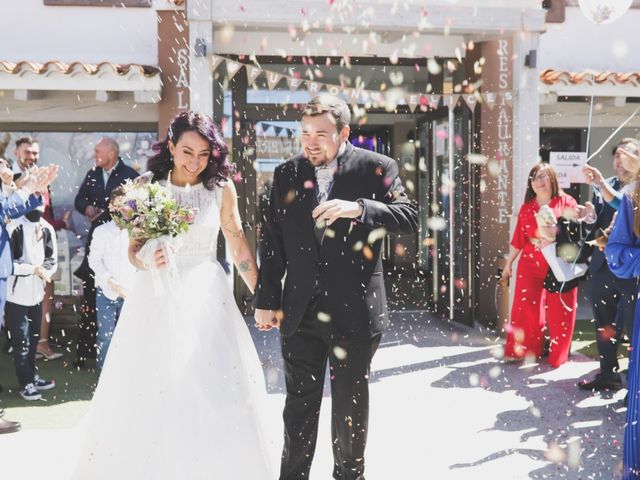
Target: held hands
<point>267,319</point>
<point>329,212</point>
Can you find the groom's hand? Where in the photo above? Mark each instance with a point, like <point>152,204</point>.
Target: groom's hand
<point>267,319</point>
<point>332,210</point>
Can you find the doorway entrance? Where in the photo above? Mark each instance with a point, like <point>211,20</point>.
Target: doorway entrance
<point>448,211</point>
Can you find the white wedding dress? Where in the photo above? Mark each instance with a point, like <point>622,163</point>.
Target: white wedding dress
<point>182,390</point>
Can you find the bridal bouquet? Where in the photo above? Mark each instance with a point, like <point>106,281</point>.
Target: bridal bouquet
<point>150,214</point>
<point>148,210</point>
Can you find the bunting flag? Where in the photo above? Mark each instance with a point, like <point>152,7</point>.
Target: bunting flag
<point>215,62</point>
<point>353,95</point>
<point>453,100</point>
<point>273,78</point>
<point>232,68</point>
<point>471,100</point>
<point>277,130</point>
<point>413,101</point>
<point>358,95</point>
<point>334,90</point>
<point>507,97</point>
<point>433,101</point>
<point>490,99</point>
<point>253,72</point>
<point>294,83</point>
<point>314,87</point>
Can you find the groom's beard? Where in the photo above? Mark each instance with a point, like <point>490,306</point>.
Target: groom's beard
<point>317,158</point>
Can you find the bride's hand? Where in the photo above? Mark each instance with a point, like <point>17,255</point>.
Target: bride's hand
<point>267,319</point>
<point>160,258</point>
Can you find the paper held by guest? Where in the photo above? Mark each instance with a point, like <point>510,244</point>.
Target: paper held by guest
<point>562,270</point>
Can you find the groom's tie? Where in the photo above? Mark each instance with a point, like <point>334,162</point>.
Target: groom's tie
<point>324,178</point>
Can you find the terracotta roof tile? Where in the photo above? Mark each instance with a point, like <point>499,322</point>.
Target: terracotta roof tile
<point>551,77</point>
<point>77,67</point>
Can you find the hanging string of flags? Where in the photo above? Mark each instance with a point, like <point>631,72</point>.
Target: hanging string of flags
<point>356,96</point>
<point>278,130</point>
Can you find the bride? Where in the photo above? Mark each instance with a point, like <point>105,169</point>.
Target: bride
<point>182,388</point>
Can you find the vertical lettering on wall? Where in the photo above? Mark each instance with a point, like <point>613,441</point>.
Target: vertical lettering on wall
<point>503,123</point>
<point>496,143</point>
<point>183,83</point>
<point>173,53</point>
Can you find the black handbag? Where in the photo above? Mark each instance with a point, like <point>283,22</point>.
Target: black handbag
<point>571,246</point>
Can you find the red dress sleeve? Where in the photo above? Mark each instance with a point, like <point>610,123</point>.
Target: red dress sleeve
<point>519,239</point>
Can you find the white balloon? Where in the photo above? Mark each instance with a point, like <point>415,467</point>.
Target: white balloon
<point>604,11</point>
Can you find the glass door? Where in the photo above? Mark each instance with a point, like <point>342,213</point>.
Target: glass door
<point>447,218</point>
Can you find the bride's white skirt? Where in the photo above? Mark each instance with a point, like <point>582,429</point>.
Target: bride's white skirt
<point>181,391</point>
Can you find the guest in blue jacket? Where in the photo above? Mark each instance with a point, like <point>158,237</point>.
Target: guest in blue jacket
<point>612,299</point>
<point>623,254</point>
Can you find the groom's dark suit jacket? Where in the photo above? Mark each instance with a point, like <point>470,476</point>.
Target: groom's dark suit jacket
<point>343,263</point>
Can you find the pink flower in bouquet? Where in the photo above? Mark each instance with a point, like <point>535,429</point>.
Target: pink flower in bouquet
<point>191,216</point>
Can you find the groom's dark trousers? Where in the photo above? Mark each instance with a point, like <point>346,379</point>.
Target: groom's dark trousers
<point>333,299</point>
<point>305,356</point>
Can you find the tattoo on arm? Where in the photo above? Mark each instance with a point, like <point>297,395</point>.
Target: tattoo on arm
<point>237,233</point>
<point>244,266</point>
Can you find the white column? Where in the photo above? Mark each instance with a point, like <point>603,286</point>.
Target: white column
<point>200,78</point>
<point>526,126</point>
<point>526,116</point>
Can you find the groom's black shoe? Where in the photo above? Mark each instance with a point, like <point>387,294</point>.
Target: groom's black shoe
<point>601,382</point>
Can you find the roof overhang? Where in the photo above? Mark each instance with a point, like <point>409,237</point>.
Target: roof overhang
<point>35,79</point>
<point>587,83</point>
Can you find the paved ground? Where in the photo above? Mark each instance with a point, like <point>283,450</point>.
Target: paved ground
<point>442,407</point>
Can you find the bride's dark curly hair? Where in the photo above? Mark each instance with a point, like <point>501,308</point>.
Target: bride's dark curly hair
<point>217,170</point>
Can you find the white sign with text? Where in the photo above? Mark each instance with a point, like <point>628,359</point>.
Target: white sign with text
<point>568,166</point>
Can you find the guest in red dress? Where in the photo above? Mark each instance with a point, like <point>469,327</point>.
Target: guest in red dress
<point>533,306</point>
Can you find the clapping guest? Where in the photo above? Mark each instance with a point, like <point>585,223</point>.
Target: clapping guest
<point>109,261</point>
<point>92,199</point>
<point>532,303</point>
<point>27,153</point>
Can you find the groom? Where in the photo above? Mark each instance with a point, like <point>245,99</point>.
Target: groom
<point>330,208</point>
